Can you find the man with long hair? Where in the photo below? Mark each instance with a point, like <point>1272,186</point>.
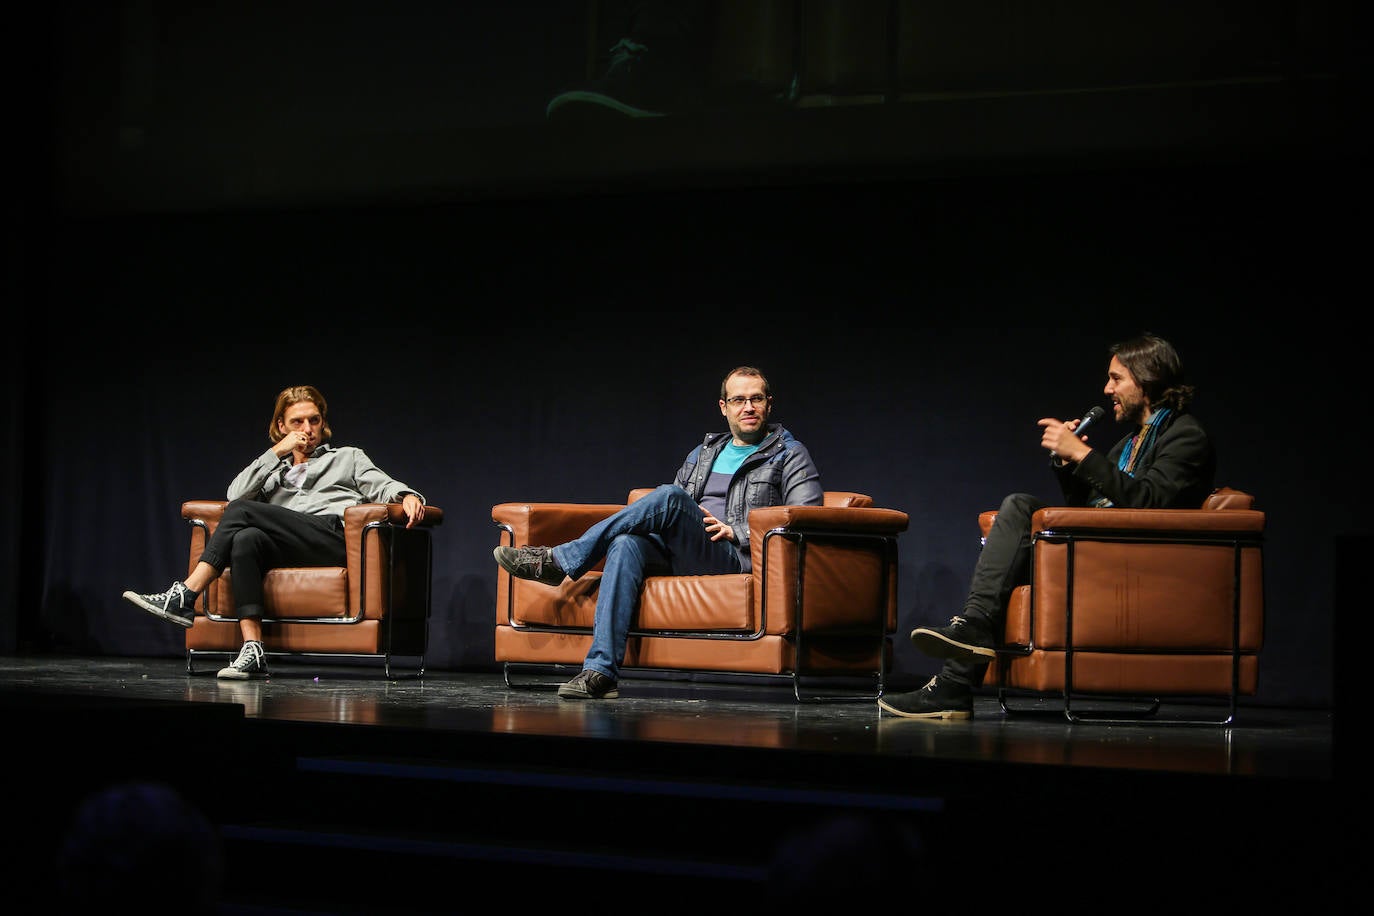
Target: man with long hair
<point>1166,461</point>
<point>285,509</point>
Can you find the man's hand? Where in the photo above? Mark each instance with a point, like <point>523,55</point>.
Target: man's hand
<point>292,442</point>
<point>718,529</point>
<point>414,509</point>
<point>1057,437</point>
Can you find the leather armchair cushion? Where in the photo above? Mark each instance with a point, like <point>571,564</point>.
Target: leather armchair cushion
<point>686,603</point>
<point>295,593</point>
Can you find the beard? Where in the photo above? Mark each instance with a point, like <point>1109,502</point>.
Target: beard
<point>1133,413</point>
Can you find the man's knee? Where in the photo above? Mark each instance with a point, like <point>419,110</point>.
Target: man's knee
<point>628,552</point>
<point>1013,502</point>
<point>1019,505</point>
<point>671,495</point>
<point>1016,511</point>
<point>234,512</point>
<point>248,543</point>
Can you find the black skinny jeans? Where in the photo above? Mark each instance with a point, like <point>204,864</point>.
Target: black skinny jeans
<point>253,537</point>
<point>1003,564</point>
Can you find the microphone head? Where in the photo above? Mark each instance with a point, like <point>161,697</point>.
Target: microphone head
<point>1092,416</point>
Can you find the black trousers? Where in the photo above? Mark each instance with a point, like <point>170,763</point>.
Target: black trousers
<point>1003,564</point>
<point>253,537</point>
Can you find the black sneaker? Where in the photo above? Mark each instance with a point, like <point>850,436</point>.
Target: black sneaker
<point>589,685</point>
<point>251,663</point>
<point>177,604</point>
<point>936,700</point>
<point>638,83</point>
<point>964,638</point>
<point>529,563</point>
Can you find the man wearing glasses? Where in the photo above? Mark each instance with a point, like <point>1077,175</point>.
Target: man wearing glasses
<point>696,526</point>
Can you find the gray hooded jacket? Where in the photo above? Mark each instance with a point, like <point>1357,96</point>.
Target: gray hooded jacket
<point>780,473</point>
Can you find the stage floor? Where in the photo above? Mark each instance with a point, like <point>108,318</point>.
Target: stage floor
<point>682,790</point>
<point>1278,744</point>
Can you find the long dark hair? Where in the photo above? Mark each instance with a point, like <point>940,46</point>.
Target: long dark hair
<point>1157,369</point>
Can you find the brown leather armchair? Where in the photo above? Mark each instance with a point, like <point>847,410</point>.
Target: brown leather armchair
<point>819,606</point>
<point>375,607</point>
<point>1137,604</point>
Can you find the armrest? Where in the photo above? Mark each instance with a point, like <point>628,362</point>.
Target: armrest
<point>203,516</point>
<point>358,517</point>
<point>547,524</point>
<point>208,511</point>
<point>1156,521</point>
<point>849,568</point>
<point>854,520</point>
<point>869,521</point>
<point>367,559</point>
<point>1213,520</point>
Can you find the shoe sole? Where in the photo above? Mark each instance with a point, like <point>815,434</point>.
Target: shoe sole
<point>231,674</point>
<point>581,695</point>
<point>937,714</point>
<point>938,645</point>
<point>501,562</point>
<point>137,600</point>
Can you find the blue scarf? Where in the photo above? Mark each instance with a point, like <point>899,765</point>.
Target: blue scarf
<point>1140,444</point>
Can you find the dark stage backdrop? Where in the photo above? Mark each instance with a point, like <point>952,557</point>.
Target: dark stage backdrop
<point>927,249</point>
<point>571,350</point>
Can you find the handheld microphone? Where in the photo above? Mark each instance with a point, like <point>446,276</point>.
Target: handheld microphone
<point>1092,416</point>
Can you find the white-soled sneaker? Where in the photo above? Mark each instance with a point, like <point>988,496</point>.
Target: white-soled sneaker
<point>251,663</point>
<point>177,604</point>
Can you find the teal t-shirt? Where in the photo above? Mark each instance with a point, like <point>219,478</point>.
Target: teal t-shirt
<point>722,472</point>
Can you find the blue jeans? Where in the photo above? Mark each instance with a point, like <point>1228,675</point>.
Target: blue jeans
<point>661,534</point>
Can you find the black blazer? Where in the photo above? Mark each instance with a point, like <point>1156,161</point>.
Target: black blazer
<point>1179,472</point>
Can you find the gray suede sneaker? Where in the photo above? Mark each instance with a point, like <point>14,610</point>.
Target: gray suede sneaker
<point>529,563</point>
<point>589,685</point>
